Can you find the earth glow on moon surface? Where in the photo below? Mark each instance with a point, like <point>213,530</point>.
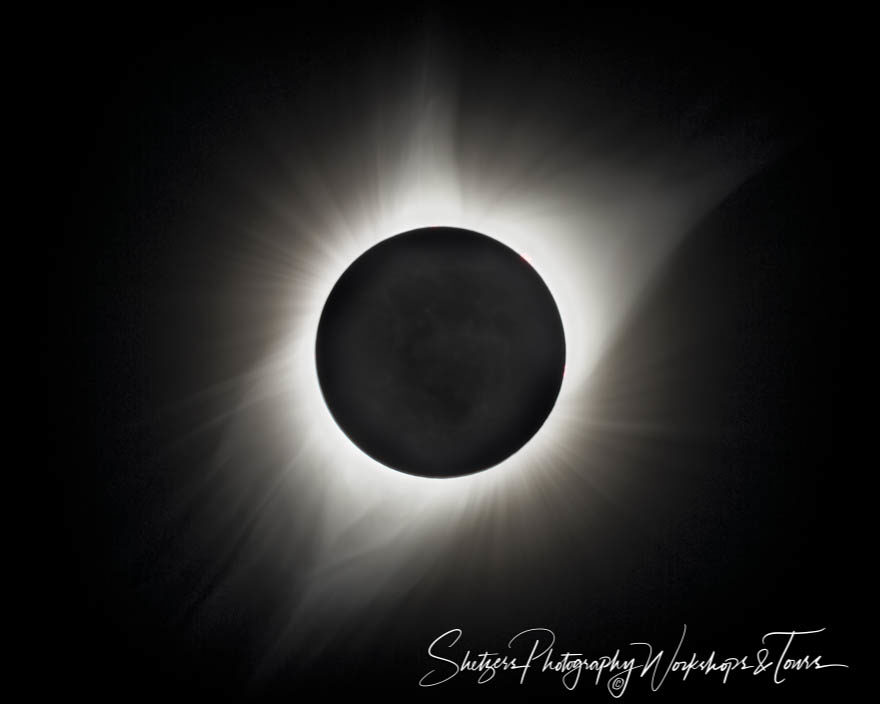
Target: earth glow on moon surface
<point>440,352</point>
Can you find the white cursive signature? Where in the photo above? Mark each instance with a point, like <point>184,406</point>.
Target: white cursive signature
<point>535,650</point>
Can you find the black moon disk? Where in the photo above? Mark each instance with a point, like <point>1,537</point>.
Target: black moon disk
<point>440,352</point>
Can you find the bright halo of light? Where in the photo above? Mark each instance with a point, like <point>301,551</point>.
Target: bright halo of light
<point>353,484</point>
<point>361,479</point>
<point>596,223</point>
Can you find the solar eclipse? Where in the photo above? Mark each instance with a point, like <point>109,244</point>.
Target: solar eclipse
<point>339,270</point>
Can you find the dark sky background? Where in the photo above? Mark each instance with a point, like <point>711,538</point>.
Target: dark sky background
<point>147,116</point>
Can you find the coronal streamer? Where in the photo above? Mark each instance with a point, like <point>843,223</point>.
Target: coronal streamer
<point>593,195</point>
